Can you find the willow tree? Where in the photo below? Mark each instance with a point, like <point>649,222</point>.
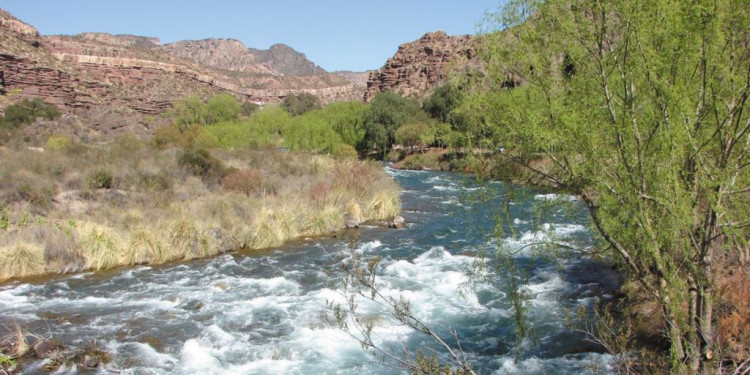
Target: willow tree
<point>640,107</point>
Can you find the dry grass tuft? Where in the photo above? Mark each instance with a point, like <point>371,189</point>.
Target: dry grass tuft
<point>101,247</point>
<point>145,247</point>
<point>21,260</point>
<point>383,206</point>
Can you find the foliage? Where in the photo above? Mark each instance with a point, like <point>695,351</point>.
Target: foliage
<point>222,107</point>
<point>188,111</point>
<point>100,179</point>
<point>415,134</point>
<point>642,112</point>
<point>192,111</point>
<point>299,104</point>
<point>347,119</point>
<point>443,101</point>
<point>311,132</point>
<point>199,162</point>
<point>387,113</point>
<point>27,111</point>
<point>58,143</point>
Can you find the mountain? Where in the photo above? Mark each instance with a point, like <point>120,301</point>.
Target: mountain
<point>419,67</point>
<point>231,54</point>
<point>138,77</point>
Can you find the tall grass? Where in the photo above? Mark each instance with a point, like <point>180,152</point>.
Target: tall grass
<point>156,205</point>
<point>20,260</point>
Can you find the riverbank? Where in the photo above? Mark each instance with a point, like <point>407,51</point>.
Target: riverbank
<point>72,207</point>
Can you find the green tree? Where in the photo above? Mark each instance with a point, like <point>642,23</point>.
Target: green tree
<point>640,107</point>
<point>442,102</point>
<point>188,111</point>
<point>415,134</point>
<point>347,119</point>
<point>222,107</point>
<point>298,104</point>
<point>387,112</point>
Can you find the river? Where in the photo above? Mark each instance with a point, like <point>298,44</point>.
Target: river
<point>266,313</point>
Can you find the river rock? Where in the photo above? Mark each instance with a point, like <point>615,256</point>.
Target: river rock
<point>398,222</point>
<point>90,361</point>
<point>351,224</point>
<point>43,349</point>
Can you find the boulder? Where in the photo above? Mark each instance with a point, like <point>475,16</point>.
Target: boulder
<point>398,222</point>
<point>90,361</point>
<point>43,349</point>
<point>351,224</point>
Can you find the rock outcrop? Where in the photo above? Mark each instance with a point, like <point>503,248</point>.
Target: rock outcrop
<point>420,66</point>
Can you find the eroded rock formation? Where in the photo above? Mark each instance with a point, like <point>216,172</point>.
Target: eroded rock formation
<point>420,66</point>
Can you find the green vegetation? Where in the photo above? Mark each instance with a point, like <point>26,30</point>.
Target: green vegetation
<point>641,110</point>
<point>299,104</point>
<point>386,114</point>
<point>24,113</point>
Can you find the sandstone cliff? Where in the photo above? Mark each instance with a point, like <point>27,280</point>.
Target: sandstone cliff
<point>419,67</point>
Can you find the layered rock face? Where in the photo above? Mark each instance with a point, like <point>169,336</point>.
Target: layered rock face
<point>420,66</point>
<point>136,74</point>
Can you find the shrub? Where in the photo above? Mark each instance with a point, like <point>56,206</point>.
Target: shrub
<point>222,107</point>
<point>58,143</point>
<point>199,162</point>
<point>27,111</point>
<point>167,135</point>
<point>246,181</point>
<point>298,104</point>
<point>344,151</point>
<point>161,181</point>
<point>100,179</point>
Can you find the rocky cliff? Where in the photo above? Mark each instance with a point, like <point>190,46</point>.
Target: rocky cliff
<point>419,67</point>
<point>137,75</point>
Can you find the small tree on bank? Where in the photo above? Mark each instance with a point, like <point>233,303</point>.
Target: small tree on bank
<point>640,107</point>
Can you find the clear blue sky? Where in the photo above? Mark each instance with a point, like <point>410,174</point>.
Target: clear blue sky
<point>335,34</point>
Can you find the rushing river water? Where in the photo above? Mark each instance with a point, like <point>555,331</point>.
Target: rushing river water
<point>265,314</point>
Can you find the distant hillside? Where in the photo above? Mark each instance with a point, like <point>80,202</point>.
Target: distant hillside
<point>136,76</point>
<point>231,54</point>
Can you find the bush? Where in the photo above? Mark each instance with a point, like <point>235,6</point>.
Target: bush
<point>222,107</point>
<point>27,112</point>
<point>246,181</point>
<point>167,135</point>
<point>58,143</point>
<point>199,162</point>
<point>344,151</point>
<point>100,179</point>
<point>298,104</point>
